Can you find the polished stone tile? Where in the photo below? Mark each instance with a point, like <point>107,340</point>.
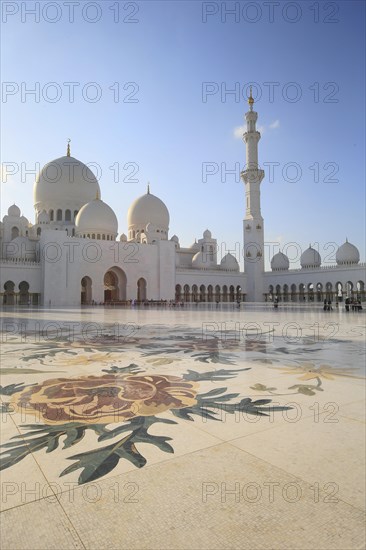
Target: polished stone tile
<point>326,451</point>
<point>40,525</point>
<point>155,377</point>
<point>217,497</point>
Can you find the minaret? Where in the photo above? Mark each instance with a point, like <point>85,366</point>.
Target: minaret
<point>253,222</point>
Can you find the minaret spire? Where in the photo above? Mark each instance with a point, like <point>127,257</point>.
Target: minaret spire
<point>252,176</point>
<point>148,188</point>
<point>250,99</point>
<point>68,147</point>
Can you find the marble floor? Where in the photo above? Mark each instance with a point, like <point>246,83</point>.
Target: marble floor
<point>183,428</point>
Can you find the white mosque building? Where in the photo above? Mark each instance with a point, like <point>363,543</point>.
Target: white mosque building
<point>71,255</point>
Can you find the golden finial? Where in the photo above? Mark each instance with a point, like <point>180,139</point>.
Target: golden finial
<point>250,99</point>
<point>148,188</point>
<point>68,147</point>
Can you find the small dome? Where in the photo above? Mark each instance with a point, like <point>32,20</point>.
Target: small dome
<point>96,217</point>
<point>229,262</point>
<point>123,238</point>
<point>280,262</point>
<point>207,234</point>
<point>14,211</point>
<point>199,261</point>
<point>148,209</point>
<point>310,258</point>
<point>175,239</point>
<point>21,248</point>
<point>195,246</point>
<point>347,254</point>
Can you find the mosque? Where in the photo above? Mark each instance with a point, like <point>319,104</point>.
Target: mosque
<point>72,255</point>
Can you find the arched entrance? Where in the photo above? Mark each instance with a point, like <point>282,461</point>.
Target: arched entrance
<point>293,293</point>
<point>141,290</point>
<point>186,293</point>
<point>329,292</point>
<point>360,286</point>
<point>9,294</point>
<point>202,293</point>
<point>86,290</point>
<point>349,289</point>
<point>115,283</point>
<point>14,232</point>
<point>24,297</point>
<point>339,290</point>
<point>217,293</point>
<point>210,293</point>
<point>319,292</point>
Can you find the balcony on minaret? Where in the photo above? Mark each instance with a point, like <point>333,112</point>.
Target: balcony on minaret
<point>252,175</point>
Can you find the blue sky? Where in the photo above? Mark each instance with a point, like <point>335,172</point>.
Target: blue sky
<point>173,128</point>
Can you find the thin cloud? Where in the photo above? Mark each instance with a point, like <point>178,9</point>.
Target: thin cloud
<point>274,124</point>
<point>239,131</point>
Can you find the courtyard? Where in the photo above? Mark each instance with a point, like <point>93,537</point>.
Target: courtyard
<point>203,426</point>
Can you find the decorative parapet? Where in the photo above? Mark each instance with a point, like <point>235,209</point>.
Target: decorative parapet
<point>316,269</point>
<point>19,262</point>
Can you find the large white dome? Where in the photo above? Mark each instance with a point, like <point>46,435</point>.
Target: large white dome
<point>148,209</point>
<point>310,258</point>
<point>64,183</point>
<point>347,254</point>
<point>280,262</point>
<point>98,219</point>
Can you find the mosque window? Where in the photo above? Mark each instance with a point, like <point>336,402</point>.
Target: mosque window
<point>98,236</point>
<point>68,215</point>
<point>51,215</point>
<point>103,237</point>
<point>14,232</point>
<point>59,215</point>
<point>93,235</point>
<point>39,231</point>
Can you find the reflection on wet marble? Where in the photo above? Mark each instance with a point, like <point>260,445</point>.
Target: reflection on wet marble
<point>97,396</point>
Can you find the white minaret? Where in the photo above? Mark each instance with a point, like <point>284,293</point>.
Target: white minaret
<point>253,222</point>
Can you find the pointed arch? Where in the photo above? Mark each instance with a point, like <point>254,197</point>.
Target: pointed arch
<point>141,290</point>
<point>86,290</point>
<point>115,285</point>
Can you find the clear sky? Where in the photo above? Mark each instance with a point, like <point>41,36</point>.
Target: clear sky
<point>163,72</point>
